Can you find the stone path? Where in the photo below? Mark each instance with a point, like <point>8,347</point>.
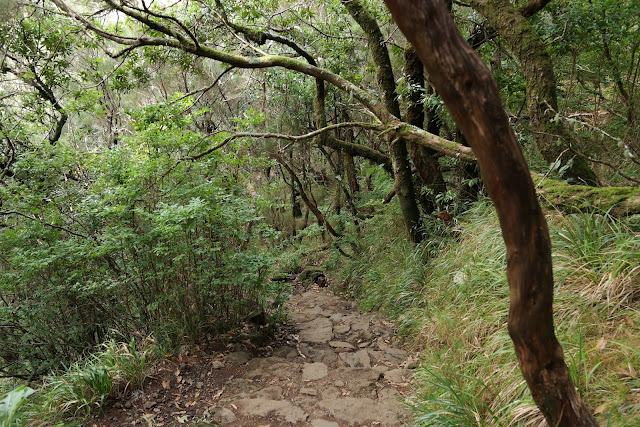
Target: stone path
<point>340,369</point>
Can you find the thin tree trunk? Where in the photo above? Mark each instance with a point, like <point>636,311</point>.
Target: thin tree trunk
<point>472,97</point>
<point>349,164</point>
<point>310,205</point>
<point>424,160</point>
<point>398,146</point>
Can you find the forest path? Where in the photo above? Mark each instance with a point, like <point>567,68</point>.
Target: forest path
<point>336,366</point>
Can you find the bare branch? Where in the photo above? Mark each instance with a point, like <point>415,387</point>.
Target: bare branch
<point>533,7</point>
<point>295,138</point>
<point>58,227</point>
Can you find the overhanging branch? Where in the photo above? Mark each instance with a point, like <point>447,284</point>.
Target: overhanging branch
<point>171,39</point>
<point>294,138</point>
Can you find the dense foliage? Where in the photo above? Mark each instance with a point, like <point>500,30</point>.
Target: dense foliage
<point>134,239</point>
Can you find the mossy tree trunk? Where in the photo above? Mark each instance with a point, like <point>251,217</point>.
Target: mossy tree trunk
<point>424,159</point>
<point>472,97</point>
<point>398,146</point>
<point>349,164</point>
<point>537,70</point>
<point>616,201</point>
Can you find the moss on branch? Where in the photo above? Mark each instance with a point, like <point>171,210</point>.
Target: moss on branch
<point>619,201</point>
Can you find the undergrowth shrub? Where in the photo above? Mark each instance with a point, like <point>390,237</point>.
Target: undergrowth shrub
<point>83,388</point>
<point>137,239</point>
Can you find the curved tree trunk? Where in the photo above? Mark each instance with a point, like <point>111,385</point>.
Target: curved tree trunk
<point>472,97</point>
<point>540,81</point>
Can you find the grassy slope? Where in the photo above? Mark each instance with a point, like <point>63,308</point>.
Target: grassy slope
<point>454,306</point>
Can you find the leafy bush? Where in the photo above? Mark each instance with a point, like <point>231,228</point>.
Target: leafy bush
<point>135,239</point>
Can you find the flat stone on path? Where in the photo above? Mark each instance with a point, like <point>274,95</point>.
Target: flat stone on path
<point>324,423</point>
<point>316,331</point>
<point>314,371</point>
<point>262,407</point>
<point>398,375</point>
<point>362,410</point>
<point>359,359</point>
<point>307,391</point>
<point>341,329</point>
<point>358,379</point>
<point>238,358</point>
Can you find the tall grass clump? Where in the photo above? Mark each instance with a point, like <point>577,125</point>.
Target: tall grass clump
<point>451,299</point>
<point>84,388</point>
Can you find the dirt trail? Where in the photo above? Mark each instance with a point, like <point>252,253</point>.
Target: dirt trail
<point>337,367</point>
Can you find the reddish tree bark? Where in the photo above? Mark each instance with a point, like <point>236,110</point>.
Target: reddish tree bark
<point>471,95</point>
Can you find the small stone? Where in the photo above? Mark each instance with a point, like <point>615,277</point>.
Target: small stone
<point>341,329</point>
<point>149,404</point>
<point>341,345</point>
<point>128,405</point>
<point>216,364</point>
<point>395,355</point>
<point>221,416</point>
<point>339,383</point>
<point>412,364</point>
<point>308,391</point>
<point>364,344</point>
<point>118,405</point>
<point>460,277</point>
<point>238,358</point>
<point>199,384</point>
<point>397,375</point>
<point>380,368</point>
